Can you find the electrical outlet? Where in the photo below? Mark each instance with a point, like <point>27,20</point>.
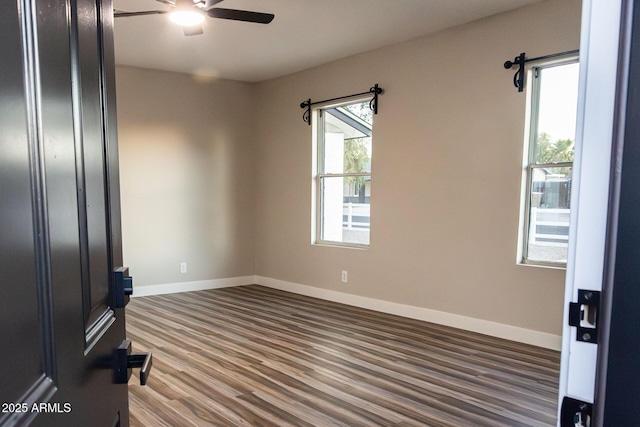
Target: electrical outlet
<point>183,267</point>
<point>345,276</point>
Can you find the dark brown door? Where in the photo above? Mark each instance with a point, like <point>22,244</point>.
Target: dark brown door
<point>59,216</point>
<point>618,372</point>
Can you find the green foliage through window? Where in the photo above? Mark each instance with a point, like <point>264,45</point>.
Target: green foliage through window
<point>560,151</point>
<point>356,160</point>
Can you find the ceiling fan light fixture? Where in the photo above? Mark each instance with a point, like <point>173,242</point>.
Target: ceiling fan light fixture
<point>187,17</point>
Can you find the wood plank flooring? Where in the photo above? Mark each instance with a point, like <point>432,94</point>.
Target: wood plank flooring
<point>254,356</point>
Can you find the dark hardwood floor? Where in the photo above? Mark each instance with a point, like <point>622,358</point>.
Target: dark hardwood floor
<point>254,356</point>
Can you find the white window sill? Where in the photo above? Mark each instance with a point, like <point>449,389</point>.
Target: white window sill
<point>341,245</point>
<point>553,266</point>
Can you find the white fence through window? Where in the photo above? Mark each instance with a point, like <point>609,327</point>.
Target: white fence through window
<point>356,216</point>
<point>549,227</point>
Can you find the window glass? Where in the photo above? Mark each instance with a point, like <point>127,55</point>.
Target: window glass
<point>346,209</point>
<point>556,113</point>
<point>343,176</point>
<point>550,163</point>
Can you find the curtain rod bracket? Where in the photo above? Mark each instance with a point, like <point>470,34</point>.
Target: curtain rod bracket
<point>306,116</point>
<point>518,77</point>
<point>375,90</point>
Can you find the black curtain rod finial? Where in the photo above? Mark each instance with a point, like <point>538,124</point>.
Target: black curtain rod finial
<point>518,60</point>
<point>376,90</point>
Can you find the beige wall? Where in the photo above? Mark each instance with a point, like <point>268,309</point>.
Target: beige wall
<point>209,179</point>
<point>446,173</point>
<point>186,176</point>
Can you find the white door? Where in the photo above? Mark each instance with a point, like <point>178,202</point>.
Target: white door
<point>602,22</point>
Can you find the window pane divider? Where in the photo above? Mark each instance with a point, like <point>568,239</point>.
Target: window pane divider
<point>340,175</point>
<point>551,165</point>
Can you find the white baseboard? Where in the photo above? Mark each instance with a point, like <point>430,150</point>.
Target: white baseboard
<point>513,333</point>
<point>197,285</point>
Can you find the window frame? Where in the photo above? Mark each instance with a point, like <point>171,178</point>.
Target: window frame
<point>529,165</point>
<point>318,173</point>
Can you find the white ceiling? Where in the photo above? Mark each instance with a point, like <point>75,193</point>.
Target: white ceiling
<point>304,33</point>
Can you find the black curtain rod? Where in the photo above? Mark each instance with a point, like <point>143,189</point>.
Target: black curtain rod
<point>373,104</point>
<point>520,60</point>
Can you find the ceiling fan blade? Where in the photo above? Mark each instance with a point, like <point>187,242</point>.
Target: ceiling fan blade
<point>119,14</point>
<point>241,15</point>
<point>193,30</point>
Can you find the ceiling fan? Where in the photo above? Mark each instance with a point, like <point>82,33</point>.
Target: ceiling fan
<point>191,13</point>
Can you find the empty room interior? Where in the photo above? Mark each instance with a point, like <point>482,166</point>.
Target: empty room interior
<point>260,310</point>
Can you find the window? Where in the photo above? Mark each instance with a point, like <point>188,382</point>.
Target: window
<point>549,162</point>
<point>343,174</point>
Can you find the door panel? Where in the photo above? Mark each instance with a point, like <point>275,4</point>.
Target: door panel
<point>59,215</point>
<point>618,376</point>
<point>90,163</point>
<point>20,215</point>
